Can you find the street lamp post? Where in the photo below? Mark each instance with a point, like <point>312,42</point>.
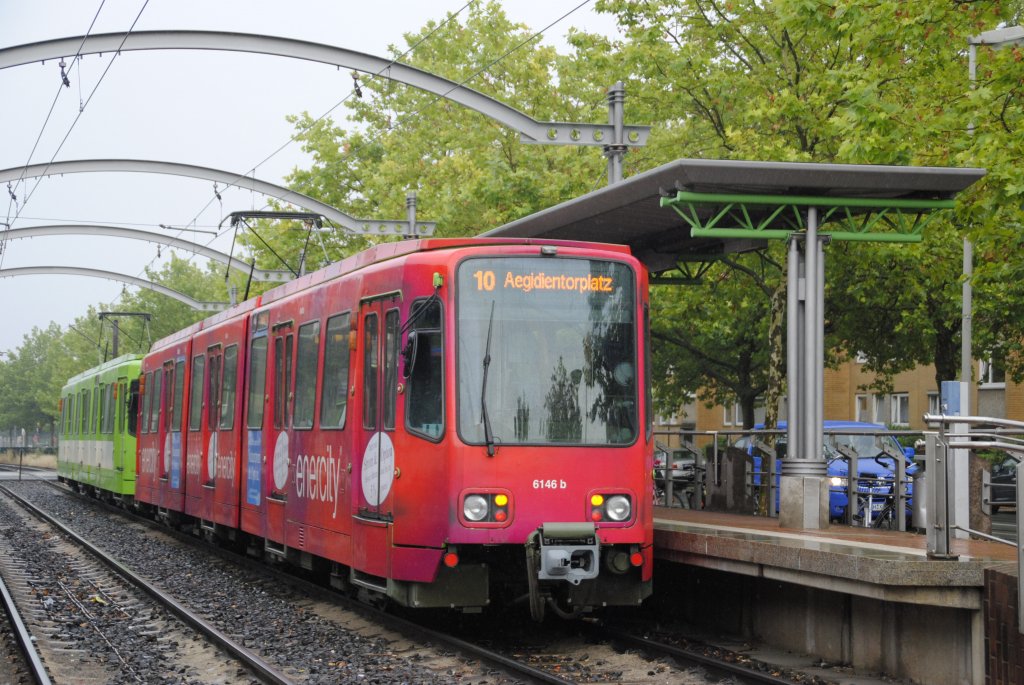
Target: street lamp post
<point>996,38</point>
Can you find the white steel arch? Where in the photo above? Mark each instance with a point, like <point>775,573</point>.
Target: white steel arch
<point>148,236</point>
<point>228,178</point>
<point>112,276</point>
<point>531,130</point>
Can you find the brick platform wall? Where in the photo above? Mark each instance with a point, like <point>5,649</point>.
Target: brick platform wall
<point>1004,645</point>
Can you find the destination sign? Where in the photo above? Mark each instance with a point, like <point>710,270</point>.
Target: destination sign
<point>487,280</point>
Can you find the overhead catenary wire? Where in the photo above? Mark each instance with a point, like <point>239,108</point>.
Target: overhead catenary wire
<point>12,191</point>
<point>400,120</point>
<point>293,138</point>
<point>437,98</point>
<point>53,104</point>
<point>81,111</point>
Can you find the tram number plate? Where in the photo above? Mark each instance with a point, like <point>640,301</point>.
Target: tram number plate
<point>877,506</point>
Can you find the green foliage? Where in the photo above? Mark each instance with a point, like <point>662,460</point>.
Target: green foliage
<point>31,379</point>
<point>470,173</point>
<point>848,81</point>
<point>32,376</point>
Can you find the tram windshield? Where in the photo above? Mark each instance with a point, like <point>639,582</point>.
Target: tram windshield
<point>547,351</point>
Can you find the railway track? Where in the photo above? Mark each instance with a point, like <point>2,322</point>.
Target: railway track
<point>21,660</point>
<point>494,651</point>
<point>91,619</point>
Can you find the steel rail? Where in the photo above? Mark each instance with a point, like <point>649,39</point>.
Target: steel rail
<point>24,638</point>
<point>309,589</point>
<point>741,672</point>
<point>260,668</point>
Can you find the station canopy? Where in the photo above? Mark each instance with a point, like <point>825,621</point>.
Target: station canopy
<point>692,210</point>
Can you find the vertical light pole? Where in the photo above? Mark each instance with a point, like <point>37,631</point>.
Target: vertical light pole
<point>996,38</point>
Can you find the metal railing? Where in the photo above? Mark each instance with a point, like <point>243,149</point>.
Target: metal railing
<point>967,433</point>
<point>868,496</point>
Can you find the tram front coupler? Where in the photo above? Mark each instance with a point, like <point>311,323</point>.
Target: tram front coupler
<point>566,551</point>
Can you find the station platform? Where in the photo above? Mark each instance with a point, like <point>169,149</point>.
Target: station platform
<point>870,599</point>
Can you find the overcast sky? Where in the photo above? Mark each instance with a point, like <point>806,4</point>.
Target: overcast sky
<point>221,110</point>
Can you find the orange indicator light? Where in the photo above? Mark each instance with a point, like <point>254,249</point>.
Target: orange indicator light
<point>451,559</point>
<point>636,559</point>
<point>595,514</point>
<point>597,500</point>
<point>500,515</point>
<point>501,500</point>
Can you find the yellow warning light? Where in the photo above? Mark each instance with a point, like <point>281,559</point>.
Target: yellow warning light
<point>501,500</point>
<point>597,500</point>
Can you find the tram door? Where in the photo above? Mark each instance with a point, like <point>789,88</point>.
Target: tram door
<point>124,458</point>
<point>374,458</point>
<point>278,462</point>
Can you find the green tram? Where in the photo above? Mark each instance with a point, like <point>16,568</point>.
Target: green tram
<point>98,417</point>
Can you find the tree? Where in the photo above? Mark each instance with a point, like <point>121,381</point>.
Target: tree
<point>31,379</point>
<point>699,352</point>
<point>471,173</point>
<point>827,81</point>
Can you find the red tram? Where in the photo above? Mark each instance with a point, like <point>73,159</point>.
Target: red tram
<point>447,422</point>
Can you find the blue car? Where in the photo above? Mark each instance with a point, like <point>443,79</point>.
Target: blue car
<point>876,456</point>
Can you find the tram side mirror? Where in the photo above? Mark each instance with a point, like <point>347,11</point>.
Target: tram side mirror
<point>409,354</point>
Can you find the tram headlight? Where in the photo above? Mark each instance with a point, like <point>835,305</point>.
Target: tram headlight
<point>474,508</point>
<point>837,482</point>
<point>618,508</point>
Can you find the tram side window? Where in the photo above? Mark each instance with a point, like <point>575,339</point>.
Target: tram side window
<point>120,402</point>
<point>147,397</point>
<point>391,338</point>
<point>424,400</point>
<point>282,381</point>
<point>305,374</point>
<point>133,407</point>
<point>154,407</point>
<point>257,382</point>
<point>195,392</point>
<point>107,408</point>
<point>85,412</point>
<point>97,411</point>
<point>213,390</point>
<point>370,371</point>
<point>227,392</point>
<point>336,361</point>
<point>179,395</point>
<point>168,398</point>
<point>69,413</point>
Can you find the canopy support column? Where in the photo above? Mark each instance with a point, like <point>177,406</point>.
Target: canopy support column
<point>803,491</point>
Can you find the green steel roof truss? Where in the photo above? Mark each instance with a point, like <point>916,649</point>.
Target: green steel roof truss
<point>858,219</point>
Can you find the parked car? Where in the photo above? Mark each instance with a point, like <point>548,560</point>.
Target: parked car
<point>1004,484</point>
<point>875,455</point>
<point>681,465</point>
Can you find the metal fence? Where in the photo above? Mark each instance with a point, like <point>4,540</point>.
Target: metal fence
<point>31,439</point>
<point>880,488</point>
<point>970,433</point>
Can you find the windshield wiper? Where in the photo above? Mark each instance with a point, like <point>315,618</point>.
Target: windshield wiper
<point>488,436</point>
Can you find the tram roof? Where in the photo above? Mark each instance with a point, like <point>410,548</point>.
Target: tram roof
<point>630,212</point>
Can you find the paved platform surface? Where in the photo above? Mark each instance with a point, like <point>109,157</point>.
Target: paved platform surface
<point>883,564</point>
<point>876,540</point>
